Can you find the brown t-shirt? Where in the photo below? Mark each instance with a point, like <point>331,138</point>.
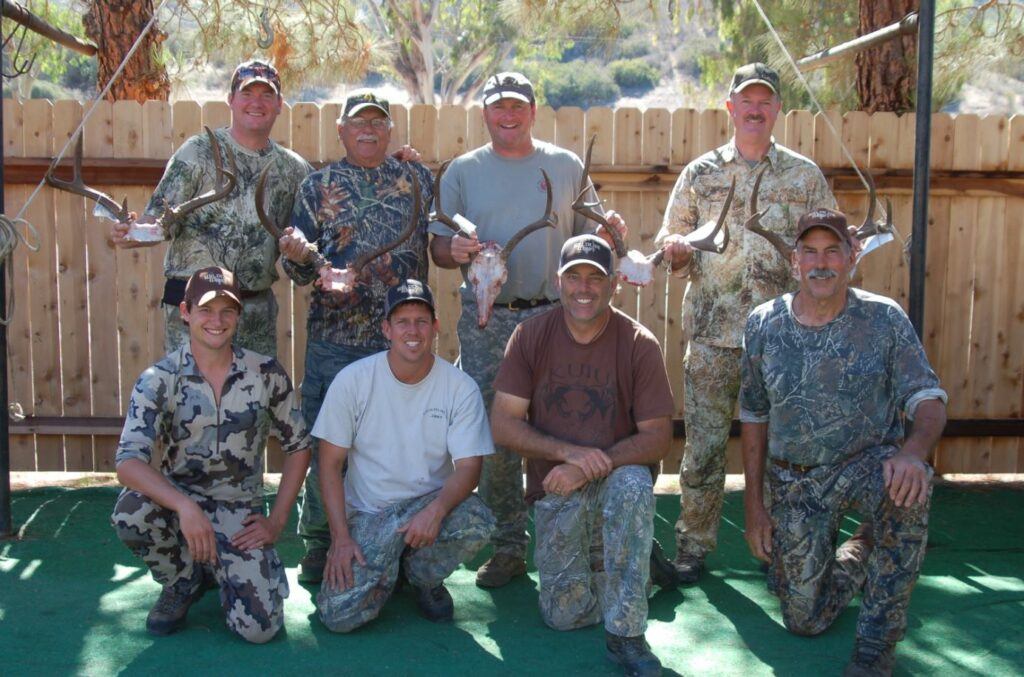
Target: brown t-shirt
<point>591,395</point>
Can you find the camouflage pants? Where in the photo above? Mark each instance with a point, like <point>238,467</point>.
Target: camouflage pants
<point>501,482</point>
<point>463,533</point>
<point>593,553</point>
<point>257,326</point>
<point>323,362</point>
<point>711,378</point>
<point>252,582</point>
<point>815,580</point>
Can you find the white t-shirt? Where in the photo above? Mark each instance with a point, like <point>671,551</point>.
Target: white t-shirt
<point>402,439</point>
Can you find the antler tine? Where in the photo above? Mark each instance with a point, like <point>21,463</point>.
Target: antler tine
<point>707,243</point>
<point>657,257</point>
<point>543,221</point>
<point>753,222</point>
<point>268,224</point>
<point>869,218</point>
<point>78,187</point>
<point>586,209</point>
<point>221,188</point>
<point>439,214</point>
<point>406,233</point>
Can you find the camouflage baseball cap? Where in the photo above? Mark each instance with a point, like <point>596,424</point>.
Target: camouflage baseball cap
<point>755,74</point>
<point>586,249</point>
<point>824,218</point>
<point>255,71</point>
<point>410,290</point>
<point>207,284</point>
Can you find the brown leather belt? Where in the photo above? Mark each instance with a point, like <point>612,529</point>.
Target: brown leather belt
<point>793,466</point>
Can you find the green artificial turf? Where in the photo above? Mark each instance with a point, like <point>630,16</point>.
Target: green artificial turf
<point>73,600</point>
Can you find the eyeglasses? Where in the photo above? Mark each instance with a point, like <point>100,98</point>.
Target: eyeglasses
<point>379,124</point>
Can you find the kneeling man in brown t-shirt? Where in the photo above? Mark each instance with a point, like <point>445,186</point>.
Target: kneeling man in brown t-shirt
<point>583,395</point>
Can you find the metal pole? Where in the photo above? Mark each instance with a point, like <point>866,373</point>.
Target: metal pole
<point>922,162</point>
<point>904,26</point>
<point>5,441</point>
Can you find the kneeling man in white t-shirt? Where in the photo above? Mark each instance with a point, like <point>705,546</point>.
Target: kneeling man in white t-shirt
<point>414,431</point>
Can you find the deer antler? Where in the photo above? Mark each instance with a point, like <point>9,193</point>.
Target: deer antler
<point>439,214</point>
<point>584,208</point>
<point>543,221</point>
<point>315,257</point>
<point>753,222</point>
<point>870,226</point>
<point>704,237</point>
<point>78,187</point>
<point>222,188</point>
<point>406,233</point>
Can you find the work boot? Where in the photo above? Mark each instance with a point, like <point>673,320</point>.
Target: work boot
<point>435,604</point>
<point>871,659</point>
<point>168,614</point>
<point>633,654</point>
<point>663,574</point>
<point>499,570</point>
<point>311,566</point>
<point>688,568</point>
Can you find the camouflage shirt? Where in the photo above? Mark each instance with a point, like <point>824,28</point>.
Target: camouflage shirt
<point>830,392</point>
<point>348,210</point>
<point>725,287</point>
<point>212,451</point>
<point>227,233</point>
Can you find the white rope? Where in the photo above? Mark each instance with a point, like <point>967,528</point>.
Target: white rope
<point>9,237</point>
<point>95,102</point>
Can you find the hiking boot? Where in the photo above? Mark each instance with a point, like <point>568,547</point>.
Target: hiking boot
<point>871,659</point>
<point>663,574</point>
<point>633,654</point>
<point>311,566</point>
<point>499,570</point>
<point>168,614</point>
<point>435,604</point>
<point>688,568</point>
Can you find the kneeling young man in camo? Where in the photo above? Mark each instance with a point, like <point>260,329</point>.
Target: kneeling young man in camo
<point>198,522</point>
<point>583,395</point>
<point>831,376</point>
<point>414,431</point>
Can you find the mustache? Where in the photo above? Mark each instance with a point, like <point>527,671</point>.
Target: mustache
<point>753,118</point>
<point>822,274</point>
<point>366,137</point>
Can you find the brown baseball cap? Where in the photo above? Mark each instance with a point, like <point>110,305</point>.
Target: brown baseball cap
<point>209,283</point>
<point>824,218</point>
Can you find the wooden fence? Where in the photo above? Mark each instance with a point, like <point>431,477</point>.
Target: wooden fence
<point>86,318</point>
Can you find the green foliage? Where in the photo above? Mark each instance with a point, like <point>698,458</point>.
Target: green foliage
<point>41,89</point>
<point>53,63</point>
<point>634,74</point>
<point>579,83</point>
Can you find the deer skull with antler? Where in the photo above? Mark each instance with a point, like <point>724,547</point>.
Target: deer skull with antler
<point>868,228</point>
<point>635,267</point>
<point>333,279</point>
<point>161,228</point>
<point>488,269</point>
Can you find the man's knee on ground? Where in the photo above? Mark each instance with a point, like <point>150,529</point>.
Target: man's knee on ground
<point>568,605</point>
<point>255,629</point>
<point>801,623</point>
<point>343,623</point>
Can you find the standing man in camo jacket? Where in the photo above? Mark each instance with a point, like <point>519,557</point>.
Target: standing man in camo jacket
<point>198,522</point>
<point>725,287</point>
<point>227,233</point>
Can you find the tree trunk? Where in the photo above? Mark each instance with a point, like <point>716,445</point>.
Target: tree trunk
<point>114,25</point>
<point>886,74</point>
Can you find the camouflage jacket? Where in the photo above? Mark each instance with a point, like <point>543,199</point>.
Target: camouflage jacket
<point>227,233</point>
<point>725,287</point>
<point>830,392</point>
<point>348,210</point>
<point>212,451</point>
